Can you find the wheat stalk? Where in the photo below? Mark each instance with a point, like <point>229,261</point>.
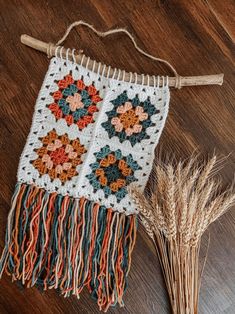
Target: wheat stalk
<point>182,201</point>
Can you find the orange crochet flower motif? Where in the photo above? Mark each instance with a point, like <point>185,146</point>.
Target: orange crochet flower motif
<point>59,156</point>
<point>75,102</point>
<point>129,119</point>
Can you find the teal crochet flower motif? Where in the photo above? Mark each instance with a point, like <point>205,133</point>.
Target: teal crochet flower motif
<point>112,172</point>
<point>130,118</point>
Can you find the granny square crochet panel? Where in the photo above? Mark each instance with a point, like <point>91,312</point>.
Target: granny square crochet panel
<point>72,223</point>
<point>92,136</point>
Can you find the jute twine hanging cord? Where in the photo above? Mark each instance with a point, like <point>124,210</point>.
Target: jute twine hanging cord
<point>177,81</point>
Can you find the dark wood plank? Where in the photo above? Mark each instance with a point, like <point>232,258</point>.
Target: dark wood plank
<point>197,37</point>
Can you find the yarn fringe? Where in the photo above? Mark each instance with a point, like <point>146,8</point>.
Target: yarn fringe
<point>56,241</point>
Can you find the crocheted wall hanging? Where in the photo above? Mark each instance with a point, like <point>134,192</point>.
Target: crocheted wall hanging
<point>72,223</point>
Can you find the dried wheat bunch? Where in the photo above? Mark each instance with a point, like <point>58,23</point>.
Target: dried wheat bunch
<point>182,201</point>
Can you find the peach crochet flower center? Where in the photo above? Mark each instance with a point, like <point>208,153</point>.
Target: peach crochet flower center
<point>75,102</point>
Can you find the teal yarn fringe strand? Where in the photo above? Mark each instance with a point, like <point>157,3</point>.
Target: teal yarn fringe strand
<point>56,241</point>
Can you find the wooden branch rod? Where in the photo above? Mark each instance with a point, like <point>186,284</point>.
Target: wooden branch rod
<point>216,79</point>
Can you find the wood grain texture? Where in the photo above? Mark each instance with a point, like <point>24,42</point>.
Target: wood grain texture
<point>197,37</point>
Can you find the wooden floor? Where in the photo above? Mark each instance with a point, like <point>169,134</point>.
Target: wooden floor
<point>197,38</point>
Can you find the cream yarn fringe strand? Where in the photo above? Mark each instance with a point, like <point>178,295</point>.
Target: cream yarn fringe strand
<point>177,81</point>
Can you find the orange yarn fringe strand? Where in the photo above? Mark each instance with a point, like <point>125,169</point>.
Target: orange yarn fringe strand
<point>56,241</point>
